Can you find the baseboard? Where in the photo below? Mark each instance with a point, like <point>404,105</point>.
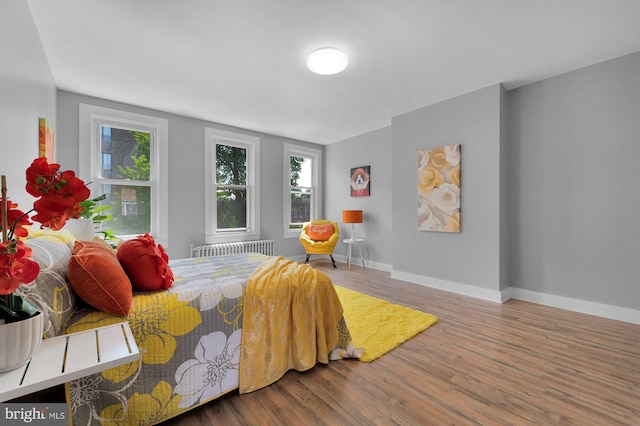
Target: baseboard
<point>576,305</point>
<point>464,289</point>
<point>356,261</point>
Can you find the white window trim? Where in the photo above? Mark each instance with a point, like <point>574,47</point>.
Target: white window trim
<point>252,144</point>
<point>316,197</point>
<point>91,117</point>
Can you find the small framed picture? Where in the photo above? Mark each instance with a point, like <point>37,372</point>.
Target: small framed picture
<point>360,181</point>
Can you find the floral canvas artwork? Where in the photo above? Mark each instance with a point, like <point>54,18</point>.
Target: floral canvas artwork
<point>439,189</point>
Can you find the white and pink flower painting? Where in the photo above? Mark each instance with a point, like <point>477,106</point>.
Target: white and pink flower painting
<point>439,189</point>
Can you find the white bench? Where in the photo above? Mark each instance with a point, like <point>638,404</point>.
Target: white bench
<point>69,357</point>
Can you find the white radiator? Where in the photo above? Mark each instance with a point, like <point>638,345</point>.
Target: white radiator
<point>219,249</point>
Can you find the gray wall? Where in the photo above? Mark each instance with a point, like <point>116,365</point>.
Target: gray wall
<point>551,207</point>
<point>186,173</point>
<point>549,187</point>
<point>471,257</point>
<point>27,92</point>
<point>575,156</point>
<point>505,232</point>
<point>370,149</point>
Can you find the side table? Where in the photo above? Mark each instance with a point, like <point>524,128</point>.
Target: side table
<point>350,242</point>
<point>71,356</point>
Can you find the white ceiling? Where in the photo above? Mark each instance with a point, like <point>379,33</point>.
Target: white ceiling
<point>242,62</point>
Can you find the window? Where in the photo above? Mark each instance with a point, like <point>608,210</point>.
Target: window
<point>231,186</point>
<point>302,188</point>
<point>106,162</point>
<point>106,134</point>
<point>124,159</point>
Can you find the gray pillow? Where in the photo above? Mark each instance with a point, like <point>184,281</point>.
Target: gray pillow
<point>50,292</point>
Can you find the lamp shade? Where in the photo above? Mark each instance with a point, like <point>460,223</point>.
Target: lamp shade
<point>351,216</point>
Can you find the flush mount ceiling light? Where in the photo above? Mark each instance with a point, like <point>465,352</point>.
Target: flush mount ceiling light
<point>327,61</point>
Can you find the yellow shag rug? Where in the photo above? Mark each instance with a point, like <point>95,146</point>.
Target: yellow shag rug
<point>379,326</point>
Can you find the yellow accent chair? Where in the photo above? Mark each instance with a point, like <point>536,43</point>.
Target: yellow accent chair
<point>320,237</point>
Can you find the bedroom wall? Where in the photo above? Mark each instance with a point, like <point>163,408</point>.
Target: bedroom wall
<point>369,149</point>
<point>575,155</point>
<point>27,92</point>
<point>549,192</point>
<point>469,261</point>
<point>186,173</point>
<point>550,208</point>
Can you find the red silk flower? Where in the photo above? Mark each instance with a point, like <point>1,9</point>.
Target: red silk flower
<point>60,192</point>
<point>18,218</point>
<point>15,266</point>
<point>53,212</point>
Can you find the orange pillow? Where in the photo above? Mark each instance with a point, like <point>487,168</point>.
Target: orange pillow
<point>146,263</point>
<point>97,278</point>
<point>320,232</point>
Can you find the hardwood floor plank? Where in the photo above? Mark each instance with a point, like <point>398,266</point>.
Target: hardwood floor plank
<point>483,363</point>
<point>515,363</point>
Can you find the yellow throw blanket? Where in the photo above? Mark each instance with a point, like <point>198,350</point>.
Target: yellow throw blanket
<point>291,312</point>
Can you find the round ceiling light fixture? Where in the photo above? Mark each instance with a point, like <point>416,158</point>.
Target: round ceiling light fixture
<point>327,61</point>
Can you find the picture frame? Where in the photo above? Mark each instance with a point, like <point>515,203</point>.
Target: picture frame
<point>439,185</point>
<point>45,140</point>
<point>360,181</point>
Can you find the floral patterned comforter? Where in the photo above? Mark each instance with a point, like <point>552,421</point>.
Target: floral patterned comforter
<point>194,327</point>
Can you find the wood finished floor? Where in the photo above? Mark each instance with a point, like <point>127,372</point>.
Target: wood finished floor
<point>482,364</point>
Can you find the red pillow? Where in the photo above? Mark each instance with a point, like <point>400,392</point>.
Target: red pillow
<point>146,263</point>
<point>96,276</point>
<point>320,232</point>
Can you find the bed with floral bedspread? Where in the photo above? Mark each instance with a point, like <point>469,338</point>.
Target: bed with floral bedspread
<point>189,336</point>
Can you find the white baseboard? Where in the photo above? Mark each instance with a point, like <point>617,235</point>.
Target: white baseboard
<point>465,289</point>
<point>356,261</point>
<point>568,303</point>
<point>576,305</point>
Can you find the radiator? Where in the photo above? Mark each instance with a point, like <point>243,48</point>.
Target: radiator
<point>219,249</point>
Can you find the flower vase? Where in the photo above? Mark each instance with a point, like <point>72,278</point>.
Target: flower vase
<point>20,340</point>
<point>82,229</point>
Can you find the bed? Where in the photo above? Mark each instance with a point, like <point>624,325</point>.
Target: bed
<point>228,323</point>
